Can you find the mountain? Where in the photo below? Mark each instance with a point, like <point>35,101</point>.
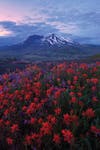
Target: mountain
<point>51,47</point>
<point>51,40</point>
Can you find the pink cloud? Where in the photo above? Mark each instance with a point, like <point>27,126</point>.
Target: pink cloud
<point>5,32</point>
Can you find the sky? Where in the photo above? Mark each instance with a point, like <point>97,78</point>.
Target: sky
<point>78,19</point>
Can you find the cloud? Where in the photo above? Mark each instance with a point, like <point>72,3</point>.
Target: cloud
<point>23,30</point>
<point>72,20</point>
<point>69,28</point>
<point>34,18</point>
<point>49,18</point>
<point>5,32</point>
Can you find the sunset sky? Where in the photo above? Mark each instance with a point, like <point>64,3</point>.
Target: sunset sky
<point>76,18</point>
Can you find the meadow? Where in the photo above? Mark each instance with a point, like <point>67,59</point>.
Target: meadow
<point>51,106</point>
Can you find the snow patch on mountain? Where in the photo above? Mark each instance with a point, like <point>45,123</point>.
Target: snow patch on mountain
<point>52,39</point>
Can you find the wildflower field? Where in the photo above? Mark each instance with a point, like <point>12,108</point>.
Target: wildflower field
<point>51,107</point>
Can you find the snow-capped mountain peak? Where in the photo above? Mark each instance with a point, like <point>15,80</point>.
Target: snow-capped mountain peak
<point>53,39</point>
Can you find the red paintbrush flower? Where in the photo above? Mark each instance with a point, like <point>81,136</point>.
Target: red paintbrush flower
<point>9,141</point>
<point>89,113</point>
<point>57,111</point>
<point>68,136</point>
<point>95,130</point>
<point>94,80</point>
<point>46,128</point>
<point>56,139</point>
<point>14,128</point>
<point>67,119</point>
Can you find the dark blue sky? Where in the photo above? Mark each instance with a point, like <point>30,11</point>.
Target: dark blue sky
<point>79,19</point>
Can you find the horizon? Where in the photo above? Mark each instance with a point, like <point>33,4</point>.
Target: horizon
<point>20,19</point>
